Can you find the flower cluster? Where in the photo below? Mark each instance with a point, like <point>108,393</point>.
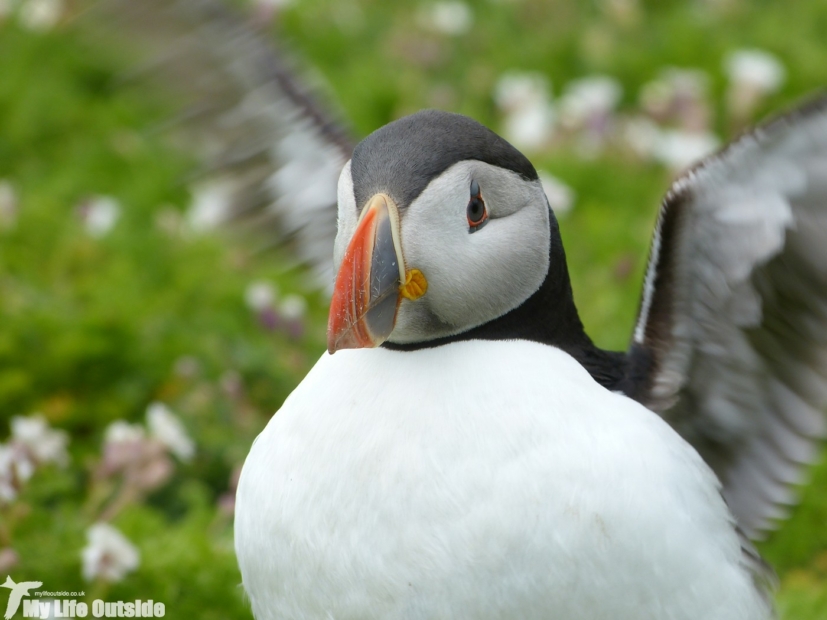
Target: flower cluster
<point>99,215</point>
<point>275,312</point>
<point>33,443</point>
<point>108,555</point>
<point>671,124</point>
<point>448,17</point>
<point>137,459</point>
<point>753,75</point>
<point>528,114</point>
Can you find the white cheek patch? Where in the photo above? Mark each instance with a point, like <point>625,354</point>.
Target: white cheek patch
<point>490,274</point>
<point>472,278</point>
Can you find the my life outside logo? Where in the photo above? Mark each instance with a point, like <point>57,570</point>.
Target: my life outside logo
<point>54,607</point>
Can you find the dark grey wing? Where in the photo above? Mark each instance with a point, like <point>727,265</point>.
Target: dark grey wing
<point>271,149</point>
<point>732,327</point>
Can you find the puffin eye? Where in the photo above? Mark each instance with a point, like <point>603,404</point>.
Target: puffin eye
<point>476,212</point>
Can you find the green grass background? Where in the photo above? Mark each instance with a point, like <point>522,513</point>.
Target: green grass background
<point>91,329</point>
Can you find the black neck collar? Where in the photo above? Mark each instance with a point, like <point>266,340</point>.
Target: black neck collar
<point>549,317</point>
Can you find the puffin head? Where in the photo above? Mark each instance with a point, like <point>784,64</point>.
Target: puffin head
<point>443,228</point>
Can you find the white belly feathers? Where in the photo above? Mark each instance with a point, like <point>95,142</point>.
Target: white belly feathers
<point>480,480</point>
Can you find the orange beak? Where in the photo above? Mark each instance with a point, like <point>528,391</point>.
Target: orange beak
<point>369,285</point>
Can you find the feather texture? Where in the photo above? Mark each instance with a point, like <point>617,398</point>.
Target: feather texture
<point>537,494</point>
<point>265,131</point>
<point>734,312</point>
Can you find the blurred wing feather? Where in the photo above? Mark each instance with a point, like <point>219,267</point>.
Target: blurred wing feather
<point>733,320</point>
<point>272,151</point>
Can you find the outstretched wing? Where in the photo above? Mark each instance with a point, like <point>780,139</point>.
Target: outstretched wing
<point>732,327</point>
<point>272,151</point>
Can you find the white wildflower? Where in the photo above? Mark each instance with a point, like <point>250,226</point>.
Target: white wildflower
<point>45,444</point>
<point>756,68</point>
<point>691,81</point>
<point>100,214</point>
<point>642,135</point>
<point>121,431</point>
<point>560,196</point>
<point>515,89</point>
<point>15,469</point>
<point>293,307</point>
<point>41,15</point>
<point>589,98</point>
<point>679,149</point>
<point>260,295</point>
<point>8,205</point>
<point>210,206</point>
<point>451,17</point>
<point>687,82</point>
<point>144,464</point>
<point>125,448</point>
<point>271,5</point>
<point>167,428</point>
<point>679,96</point>
<point>753,75</point>
<point>525,99</point>
<point>108,555</point>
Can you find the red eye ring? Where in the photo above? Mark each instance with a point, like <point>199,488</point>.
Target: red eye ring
<point>476,212</point>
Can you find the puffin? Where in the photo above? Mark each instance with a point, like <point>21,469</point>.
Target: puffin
<point>464,450</point>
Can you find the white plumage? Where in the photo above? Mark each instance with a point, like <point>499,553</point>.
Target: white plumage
<point>392,484</point>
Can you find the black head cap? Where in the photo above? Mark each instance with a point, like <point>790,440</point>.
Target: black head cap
<point>402,157</point>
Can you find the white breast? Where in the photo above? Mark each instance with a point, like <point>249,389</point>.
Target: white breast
<point>480,480</point>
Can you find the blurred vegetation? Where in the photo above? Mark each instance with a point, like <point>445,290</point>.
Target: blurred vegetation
<point>94,328</point>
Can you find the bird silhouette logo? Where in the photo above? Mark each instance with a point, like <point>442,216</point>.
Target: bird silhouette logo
<point>18,591</point>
